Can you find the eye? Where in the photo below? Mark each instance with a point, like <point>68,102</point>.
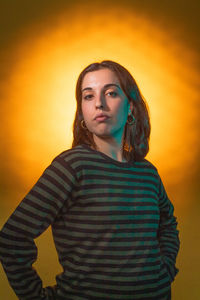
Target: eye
<point>112,94</point>
<point>88,97</point>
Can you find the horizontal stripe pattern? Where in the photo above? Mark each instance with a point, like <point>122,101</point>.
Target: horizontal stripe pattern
<point>113,227</point>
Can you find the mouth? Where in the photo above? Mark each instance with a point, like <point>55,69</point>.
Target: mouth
<point>101,118</point>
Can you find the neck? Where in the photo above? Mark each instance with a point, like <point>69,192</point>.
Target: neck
<point>110,147</point>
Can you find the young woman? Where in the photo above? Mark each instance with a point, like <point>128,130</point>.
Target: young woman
<point>112,221</point>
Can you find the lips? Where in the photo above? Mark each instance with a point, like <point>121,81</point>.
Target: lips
<point>101,117</point>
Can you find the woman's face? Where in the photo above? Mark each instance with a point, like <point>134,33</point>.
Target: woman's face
<point>102,94</point>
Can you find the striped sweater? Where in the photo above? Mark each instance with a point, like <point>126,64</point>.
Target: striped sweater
<point>112,224</point>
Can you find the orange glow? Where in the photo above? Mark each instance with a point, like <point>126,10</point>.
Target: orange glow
<point>41,91</point>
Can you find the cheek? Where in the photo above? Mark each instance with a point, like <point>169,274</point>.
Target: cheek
<point>83,108</point>
<point>86,110</point>
<point>122,111</point>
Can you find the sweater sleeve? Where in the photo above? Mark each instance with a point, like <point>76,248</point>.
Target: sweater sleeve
<point>168,235</point>
<point>33,215</point>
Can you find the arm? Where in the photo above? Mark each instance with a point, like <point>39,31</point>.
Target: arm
<point>32,217</point>
<point>168,235</point>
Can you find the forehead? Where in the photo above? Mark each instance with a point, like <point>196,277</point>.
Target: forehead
<point>99,78</point>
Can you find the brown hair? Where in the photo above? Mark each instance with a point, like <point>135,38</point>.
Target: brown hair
<point>136,137</point>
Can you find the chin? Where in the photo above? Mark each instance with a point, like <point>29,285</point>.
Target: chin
<point>103,134</point>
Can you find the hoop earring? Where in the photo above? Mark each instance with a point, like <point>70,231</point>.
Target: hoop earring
<point>132,121</point>
<point>83,124</point>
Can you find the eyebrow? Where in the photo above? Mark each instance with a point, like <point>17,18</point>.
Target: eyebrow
<point>105,86</point>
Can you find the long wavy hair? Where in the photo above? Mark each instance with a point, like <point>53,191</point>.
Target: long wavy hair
<point>136,136</point>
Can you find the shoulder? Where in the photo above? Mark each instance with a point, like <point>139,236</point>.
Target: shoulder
<point>72,156</point>
<point>147,168</point>
<point>144,163</point>
<point>67,162</point>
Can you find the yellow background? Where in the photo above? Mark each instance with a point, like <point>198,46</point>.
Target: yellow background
<point>44,46</point>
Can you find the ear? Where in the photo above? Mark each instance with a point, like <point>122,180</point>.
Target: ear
<point>130,106</point>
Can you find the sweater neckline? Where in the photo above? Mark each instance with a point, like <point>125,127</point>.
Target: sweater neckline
<point>108,158</point>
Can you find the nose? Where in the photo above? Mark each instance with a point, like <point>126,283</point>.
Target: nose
<point>100,101</point>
